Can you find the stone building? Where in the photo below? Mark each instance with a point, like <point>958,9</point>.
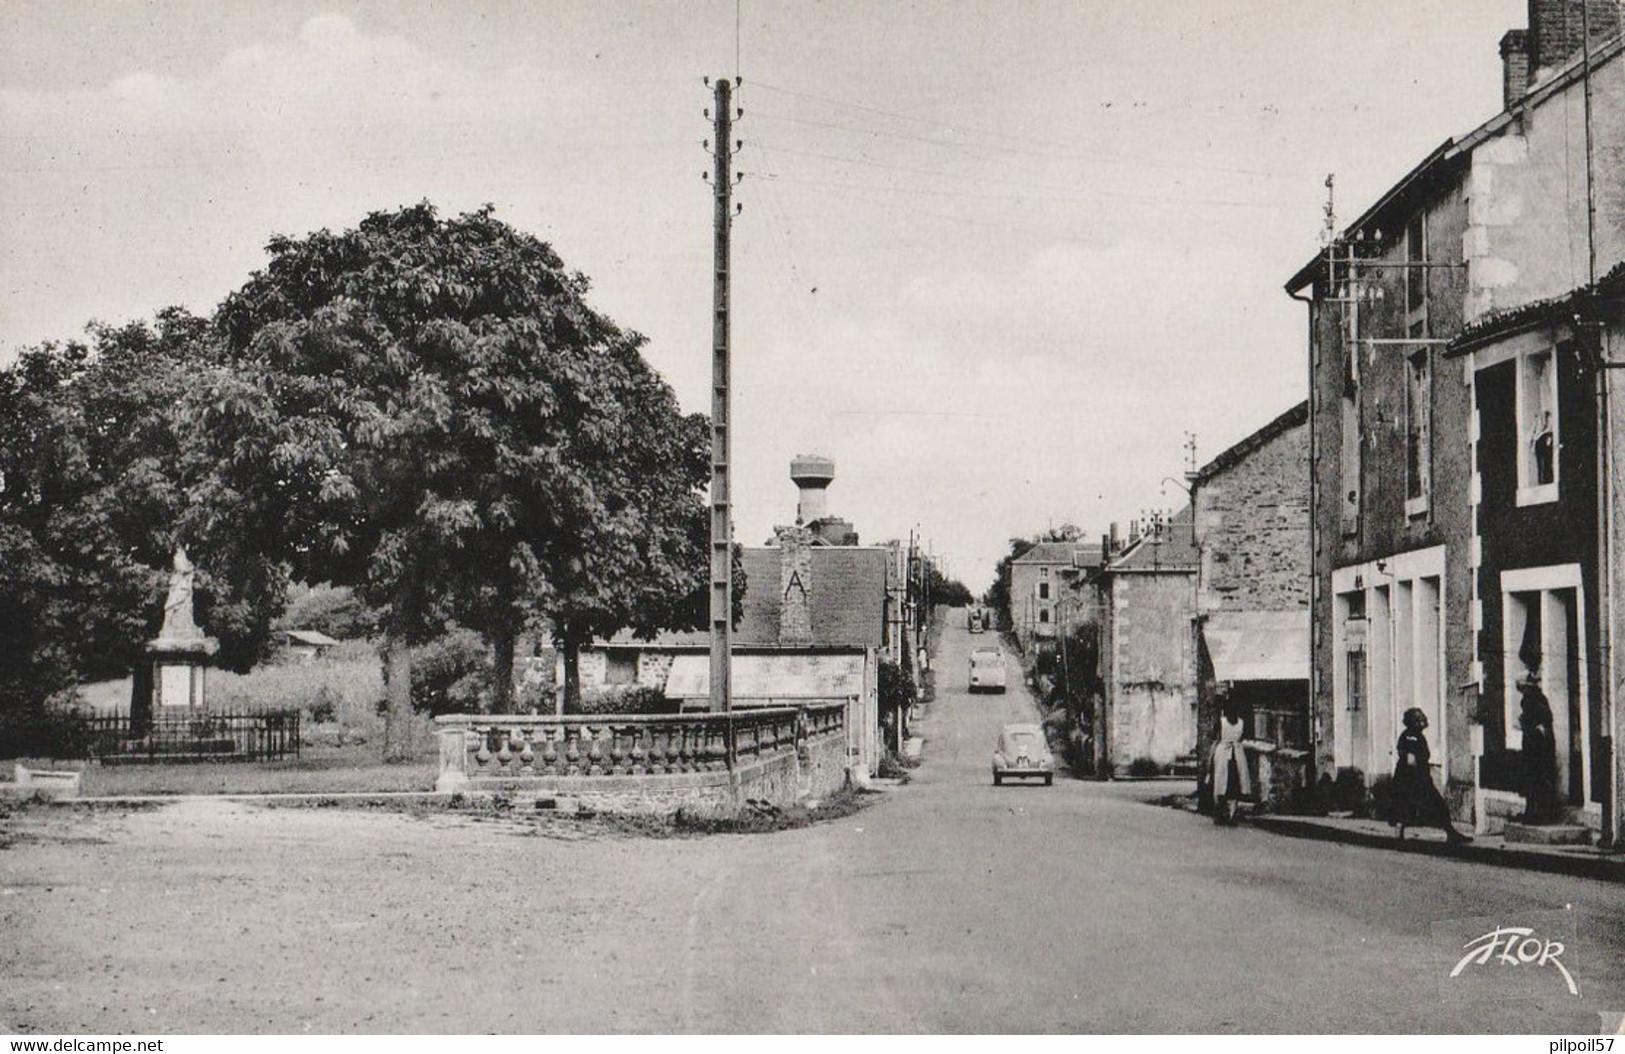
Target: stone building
<point>1453,409</point>
<point>1251,510</point>
<point>1046,588</point>
<point>818,618</point>
<point>1147,604</point>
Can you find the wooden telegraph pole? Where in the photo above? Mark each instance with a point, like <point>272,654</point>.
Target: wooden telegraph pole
<point>721,444</point>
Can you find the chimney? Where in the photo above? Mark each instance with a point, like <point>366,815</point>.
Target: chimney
<point>812,474</point>
<point>795,584</point>
<point>1556,34</point>
<point>1115,540</point>
<point>1514,67</point>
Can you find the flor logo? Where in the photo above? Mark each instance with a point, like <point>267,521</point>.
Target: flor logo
<point>1515,946</point>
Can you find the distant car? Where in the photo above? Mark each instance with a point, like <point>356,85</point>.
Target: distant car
<point>986,670</point>
<point>1023,754</point>
<point>975,621</point>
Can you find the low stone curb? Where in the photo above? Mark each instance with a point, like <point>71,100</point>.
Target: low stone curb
<point>147,799</point>
<point>1592,864</point>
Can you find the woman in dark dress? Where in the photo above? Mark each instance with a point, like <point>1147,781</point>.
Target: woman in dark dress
<point>1416,801</point>
<point>1539,755</point>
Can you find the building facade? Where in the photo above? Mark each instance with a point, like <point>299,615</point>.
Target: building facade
<point>1251,519</point>
<point>1046,589</point>
<point>1147,607</point>
<point>1452,515</point>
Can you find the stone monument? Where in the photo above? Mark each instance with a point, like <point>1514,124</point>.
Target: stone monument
<point>181,653</point>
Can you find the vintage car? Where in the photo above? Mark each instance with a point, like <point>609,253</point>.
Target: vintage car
<point>1022,753</point>
<point>987,670</point>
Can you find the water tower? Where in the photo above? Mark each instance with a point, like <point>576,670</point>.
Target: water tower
<point>812,475</point>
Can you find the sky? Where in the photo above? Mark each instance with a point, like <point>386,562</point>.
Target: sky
<point>996,259</point>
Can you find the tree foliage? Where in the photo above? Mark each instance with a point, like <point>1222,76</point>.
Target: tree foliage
<point>493,449</point>
<point>424,411</point>
<point>112,453</point>
<point>998,595</point>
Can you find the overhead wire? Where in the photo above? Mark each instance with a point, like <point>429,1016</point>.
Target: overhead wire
<point>1031,146</point>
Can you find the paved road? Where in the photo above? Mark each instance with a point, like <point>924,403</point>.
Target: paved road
<point>950,905</point>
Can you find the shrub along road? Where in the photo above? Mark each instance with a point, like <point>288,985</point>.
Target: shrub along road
<point>949,905</point>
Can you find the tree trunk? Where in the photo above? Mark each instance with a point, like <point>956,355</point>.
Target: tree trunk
<point>572,675</point>
<point>502,673</point>
<point>399,722</point>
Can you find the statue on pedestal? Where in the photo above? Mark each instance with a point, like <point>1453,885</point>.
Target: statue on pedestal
<point>181,651</point>
<point>178,621</point>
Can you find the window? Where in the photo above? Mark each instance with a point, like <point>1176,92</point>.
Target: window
<point>1349,464</point>
<point>620,667</point>
<point>1356,680</point>
<point>1043,572</point>
<point>1537,428</point>
<point>1418,424</point>
<point>1416,274</point>
<point>1043,591</point>
<point>1043,615</point>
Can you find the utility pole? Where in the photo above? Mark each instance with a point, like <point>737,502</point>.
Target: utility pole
<point>721,440</point>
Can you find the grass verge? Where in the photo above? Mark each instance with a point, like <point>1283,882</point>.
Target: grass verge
<point>318,770</point>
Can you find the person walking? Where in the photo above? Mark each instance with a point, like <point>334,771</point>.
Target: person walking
<point>1416,801</point>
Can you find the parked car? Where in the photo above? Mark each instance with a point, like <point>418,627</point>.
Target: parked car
<point>1022,753</point>
<point>986,670</point>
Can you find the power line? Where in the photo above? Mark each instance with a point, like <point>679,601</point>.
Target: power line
<point>1093,197</point>
<point>938,174</point>
<point>1051,147</point>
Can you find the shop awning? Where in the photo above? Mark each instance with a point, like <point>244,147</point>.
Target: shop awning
<point>764,679</point>
<point>1258,645</point>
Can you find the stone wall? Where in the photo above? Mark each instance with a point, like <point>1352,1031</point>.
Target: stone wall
<point>649,765</point>
<point>1252,524</point>
<point>1151,682</point>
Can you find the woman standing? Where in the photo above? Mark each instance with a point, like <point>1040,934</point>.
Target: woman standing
<point>1416,801</point>
<point>1231,781</point>
<point>1539,754</point>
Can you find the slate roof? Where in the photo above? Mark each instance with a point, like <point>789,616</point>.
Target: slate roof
<point>1447,161</point>
<point>1069,554</point>
<point>315,638</point>
<point>1239,452</point>
<point>1498,324</point>
<point>847,596</point>
<point>1176,553</point>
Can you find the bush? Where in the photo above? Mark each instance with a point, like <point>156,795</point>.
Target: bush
<point>1143,768</point>
<point>637,699</point>
<point>451,673</point>
<point>333,610</point>
<point>54,729</point>
<point>324,707</point>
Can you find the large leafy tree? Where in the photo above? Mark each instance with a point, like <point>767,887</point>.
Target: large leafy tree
<point>113,452</point>
<point>492,448</point>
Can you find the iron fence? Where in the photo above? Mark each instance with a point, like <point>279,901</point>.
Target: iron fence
<point>261,735</point>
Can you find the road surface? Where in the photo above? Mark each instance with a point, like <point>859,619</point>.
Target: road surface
<point>948,906</point>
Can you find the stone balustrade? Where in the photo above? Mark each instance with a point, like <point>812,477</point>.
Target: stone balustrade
<point>658,756</point>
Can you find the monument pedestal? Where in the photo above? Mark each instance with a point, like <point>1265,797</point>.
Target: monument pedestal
<point>178,670</point>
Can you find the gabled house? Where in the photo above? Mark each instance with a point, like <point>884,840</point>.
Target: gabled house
<point>1459,543</point>
<point>817,620</point>
<point>1045,589</point>
<point>1147,607</point>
